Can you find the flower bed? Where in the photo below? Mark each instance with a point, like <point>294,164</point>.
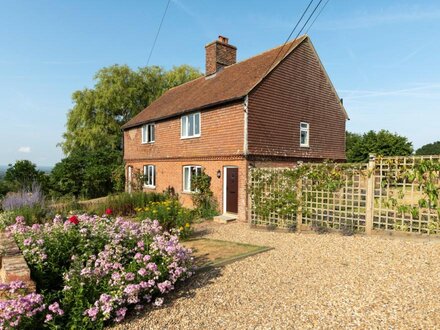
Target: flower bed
<point>91,270</point>
<point>170,214</point>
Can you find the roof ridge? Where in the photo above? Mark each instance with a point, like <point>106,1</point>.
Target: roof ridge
<point>267,51</point>
<point>247,59</point>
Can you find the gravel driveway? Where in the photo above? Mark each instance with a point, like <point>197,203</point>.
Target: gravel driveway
<point>309,281</point>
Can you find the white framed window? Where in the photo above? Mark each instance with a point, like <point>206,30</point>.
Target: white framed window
<point>150,176</point>
<point>148,133</point>
<point>190,125</point>
<point>188,173</point>
<point>304,132</point>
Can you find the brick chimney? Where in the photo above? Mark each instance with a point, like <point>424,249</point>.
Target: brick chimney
<point>219,54</point>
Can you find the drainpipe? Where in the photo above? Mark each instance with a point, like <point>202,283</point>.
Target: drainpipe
<point>245,108</point>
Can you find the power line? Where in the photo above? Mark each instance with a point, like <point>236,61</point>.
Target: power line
<point>319,13</point>
<point>158,31</point>
<point>293,30</point>
<point>304,25</point>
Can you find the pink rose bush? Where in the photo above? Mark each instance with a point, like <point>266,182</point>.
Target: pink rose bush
<point>93,271</point>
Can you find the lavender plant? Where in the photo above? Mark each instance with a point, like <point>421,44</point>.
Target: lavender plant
<point>24,198</point>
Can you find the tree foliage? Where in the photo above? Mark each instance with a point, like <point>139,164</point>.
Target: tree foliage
<point>429,149</point>
<point>119,94</point>
<point>383,143</point>
<point>23,174</point>
<point>87,173</point>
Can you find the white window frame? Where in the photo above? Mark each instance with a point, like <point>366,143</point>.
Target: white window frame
<point>185,125</point>
<point>148,133</point>
<point>186,182</point>
<point>305,129</point>
<point>150,181</point>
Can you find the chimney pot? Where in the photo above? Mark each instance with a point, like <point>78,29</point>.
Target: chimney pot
<point>219,54</point>
<point>223,39</point>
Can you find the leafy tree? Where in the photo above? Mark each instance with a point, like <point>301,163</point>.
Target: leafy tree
<point>23,174</point>
<point>86,173</point>
<point>429,149</point>
<point>383,143</point>
<point>119,94</point>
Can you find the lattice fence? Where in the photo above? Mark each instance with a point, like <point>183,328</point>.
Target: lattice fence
<point>340,207</point>
<point>389,193</point>
<point>269,182</point>
<point>406,194</point>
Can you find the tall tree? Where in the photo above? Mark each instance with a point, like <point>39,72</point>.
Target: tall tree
<point>383,143</point>
<point>429,149</point>
<point>119,94</point>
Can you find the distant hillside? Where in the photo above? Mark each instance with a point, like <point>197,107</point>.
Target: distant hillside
<point>46,169</point>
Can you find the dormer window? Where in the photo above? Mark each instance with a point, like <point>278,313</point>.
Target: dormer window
<point>190,125</point>
<point>304,134</point>
<point>148,132</point>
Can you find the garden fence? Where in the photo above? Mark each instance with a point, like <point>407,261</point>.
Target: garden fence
<point>397,194</point>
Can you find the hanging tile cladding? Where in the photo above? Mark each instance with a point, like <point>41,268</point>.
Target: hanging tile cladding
<point>297,90</point>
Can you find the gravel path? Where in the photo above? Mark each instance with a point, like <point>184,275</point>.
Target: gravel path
<point>309,281</point>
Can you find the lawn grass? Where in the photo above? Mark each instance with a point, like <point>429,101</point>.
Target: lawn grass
<point>215,253</point>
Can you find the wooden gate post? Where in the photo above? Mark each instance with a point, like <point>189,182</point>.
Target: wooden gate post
<point>299,208</point>
<point>369,214</point>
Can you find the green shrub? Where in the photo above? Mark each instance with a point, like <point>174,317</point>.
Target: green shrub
<point>202,198</point>
<point>170,214</point>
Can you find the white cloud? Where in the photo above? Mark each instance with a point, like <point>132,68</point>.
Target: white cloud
<point>25,150</point>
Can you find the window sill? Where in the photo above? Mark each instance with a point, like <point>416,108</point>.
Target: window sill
<point>190,137</point>
<point>185,192</point>
<point>152,142</point>
<point>150,187</point>
<point>305,146</point>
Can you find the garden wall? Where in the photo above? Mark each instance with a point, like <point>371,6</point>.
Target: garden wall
<point>388,194</point>
<point>13,266</point>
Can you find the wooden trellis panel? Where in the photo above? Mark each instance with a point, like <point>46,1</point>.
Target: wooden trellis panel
<point>271,180</point>
<point>344,207</point>
<point>400,199</point>
<point>387,194</point>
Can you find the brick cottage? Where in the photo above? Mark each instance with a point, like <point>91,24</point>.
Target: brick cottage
<point>273,109</point>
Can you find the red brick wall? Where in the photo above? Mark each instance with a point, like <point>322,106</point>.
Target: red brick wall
<point>297,90</point>
<point>170,173</point>
<point>222,134</point>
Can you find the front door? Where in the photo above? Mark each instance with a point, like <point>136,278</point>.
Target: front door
<point>232,189</point>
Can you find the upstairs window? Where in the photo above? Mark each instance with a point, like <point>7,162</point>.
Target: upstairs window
<point>150,176</point>
<point>148,132</point>
<point>304,134</point>
<point>190,125</point>
<point>188,173</point>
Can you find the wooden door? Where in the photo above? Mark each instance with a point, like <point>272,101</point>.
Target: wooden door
<point>232,190</point>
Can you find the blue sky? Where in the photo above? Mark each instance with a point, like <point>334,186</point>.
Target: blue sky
<point>382,57</point>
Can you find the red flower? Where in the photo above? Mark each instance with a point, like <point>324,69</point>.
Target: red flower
<point>74,219</point>
<point>109,212</point>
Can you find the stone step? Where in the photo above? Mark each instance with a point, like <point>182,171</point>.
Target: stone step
<point>225,218</point>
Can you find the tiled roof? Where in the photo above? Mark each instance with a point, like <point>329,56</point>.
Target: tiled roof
<point>231,83</point>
